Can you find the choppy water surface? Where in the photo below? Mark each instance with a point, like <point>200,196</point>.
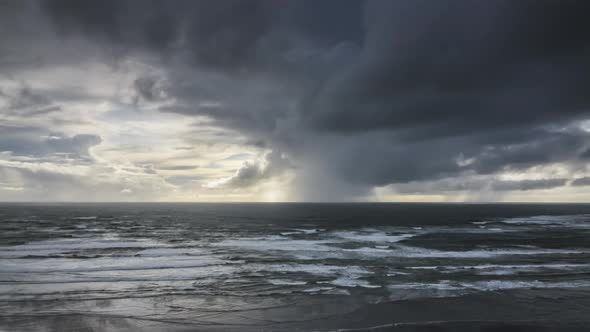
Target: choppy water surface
<point>290,266</point>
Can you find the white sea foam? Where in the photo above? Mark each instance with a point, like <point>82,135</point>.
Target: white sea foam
<point>573,221</point>
<point>104,264</point>
<point>278,244</point>
<point>318,289</point>
<point>372,236</point>
<point>259,238</point>
<point>537,220</point>
<point>480,222</point>
<point>532,268</point>
<point>308,231</point>
<point>289,233</point>
<point>316,269</point>
<point>170,252</point>
<point>415,252</point>
<point>502,269</point>
<point>447,288</point>
<point>352,282</point>
<point>480,229</point>
<point>154,273</point>
<point>492,285</point>
<point>91,289</point>
<point>312,249</point>
<point>61,246</point>
<point>370,252</point>
<point>337,291</point>
<point>300,249</point>
<point>425,290</point>
<point>84,243</point>
<point>297,231</point>
<point>346,276</point>
<point>286,282</point>
<point>326,248</point>
<point>442,285</point>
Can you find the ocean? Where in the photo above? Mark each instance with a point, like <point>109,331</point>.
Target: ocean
<point>294,267</point>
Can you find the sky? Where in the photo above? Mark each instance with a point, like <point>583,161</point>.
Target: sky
<point>295,100</point>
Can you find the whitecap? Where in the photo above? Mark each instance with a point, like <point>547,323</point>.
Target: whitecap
<point>372,236</point>
<point>416,252</point>
<point>574,221</point>
<point>289,233</point>
<point>337,291</point>
<point>84,243</point>
<point>325,248</point>
<point>69,245</point>
<point>316,269</point>
<point>352,282</point>
<point>502,269</point>
<point>104,264</point>
<point>308,231</point>
<point>493,285</point>
<point>286,282</point>
<point>159,252</point>
<point>278,244</point>
<point>318,289</point>
<point>447,288</point>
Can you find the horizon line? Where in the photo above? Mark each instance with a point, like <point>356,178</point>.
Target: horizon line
<point>293,202</point>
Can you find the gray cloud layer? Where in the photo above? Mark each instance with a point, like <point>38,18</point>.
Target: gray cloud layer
<point>36,142</point>
<point>359,93</point>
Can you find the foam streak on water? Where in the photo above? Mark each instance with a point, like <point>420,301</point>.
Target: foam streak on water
<point>130,255</point>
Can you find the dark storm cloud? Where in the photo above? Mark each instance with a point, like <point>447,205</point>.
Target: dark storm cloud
<point>149,89</point>
<point>378,159</point>
<point>552,147</point>
<point>367,93</point>
<point>228,35</point>
<point>463,66</point>
<point>528,184</point>
<point>494,83</point>
<point>146,88</point>
<point>237,36</point>
<point>480,185</point>
<point>585,154</point>
<point>581,182</point>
